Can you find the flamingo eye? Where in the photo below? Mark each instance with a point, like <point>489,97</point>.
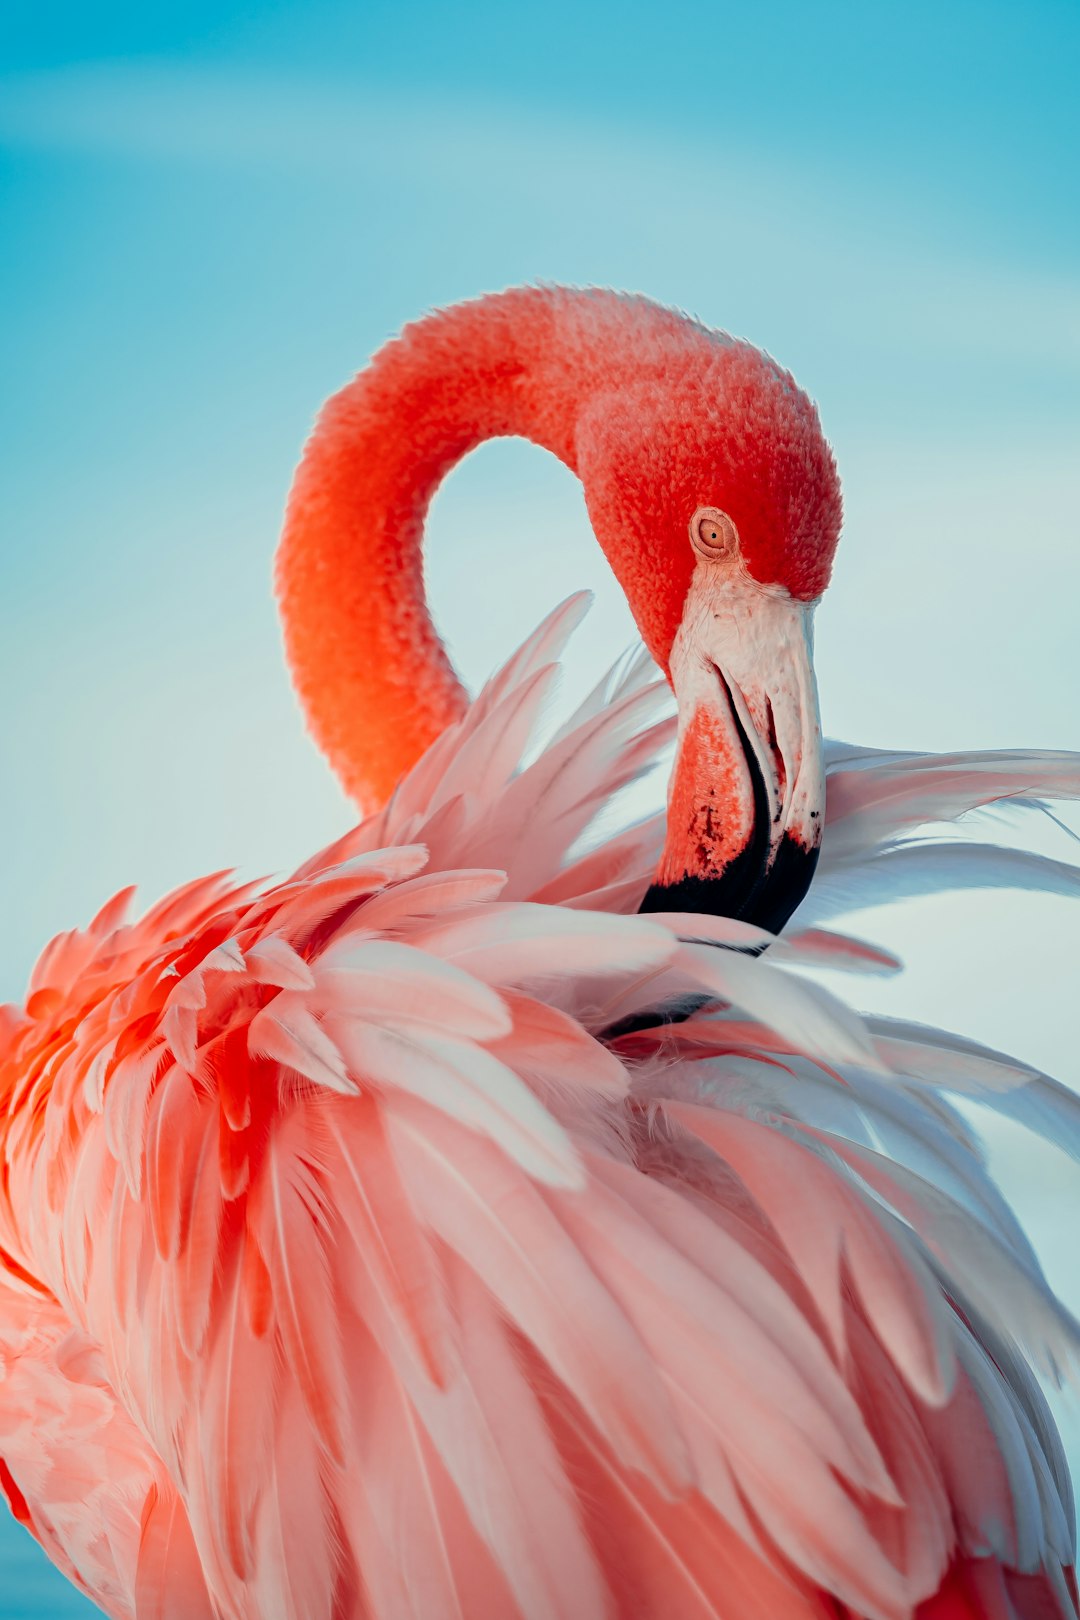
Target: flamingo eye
<point>712,534</point>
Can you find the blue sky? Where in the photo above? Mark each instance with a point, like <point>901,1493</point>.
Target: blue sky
<point>212,214</point>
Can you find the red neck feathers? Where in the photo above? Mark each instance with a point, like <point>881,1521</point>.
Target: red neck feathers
<point>634,398</point>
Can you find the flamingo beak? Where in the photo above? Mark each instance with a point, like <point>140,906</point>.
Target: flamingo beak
<point>747,795</point>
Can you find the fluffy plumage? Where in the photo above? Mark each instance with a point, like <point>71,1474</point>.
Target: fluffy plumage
<point>351,1266</point>
<point>654,412</point>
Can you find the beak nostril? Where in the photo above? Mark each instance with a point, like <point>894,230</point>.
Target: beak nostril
<point>777,754</point>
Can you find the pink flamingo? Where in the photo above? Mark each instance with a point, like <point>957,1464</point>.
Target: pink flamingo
<point>430,1236</point>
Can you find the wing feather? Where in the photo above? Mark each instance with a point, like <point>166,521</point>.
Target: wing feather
<point>484,1207</point>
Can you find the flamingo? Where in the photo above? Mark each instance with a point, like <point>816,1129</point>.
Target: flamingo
<point>485,1221</point>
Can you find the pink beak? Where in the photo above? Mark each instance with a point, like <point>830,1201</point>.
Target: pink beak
<point>747,795</point>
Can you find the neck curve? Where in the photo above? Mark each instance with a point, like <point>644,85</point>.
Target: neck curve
<point>368,665</point>
<point>535,362</point>
<point>370,671</point>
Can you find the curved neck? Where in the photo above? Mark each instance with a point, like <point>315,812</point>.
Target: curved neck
<point>373,678</point>
<point>597,378</point>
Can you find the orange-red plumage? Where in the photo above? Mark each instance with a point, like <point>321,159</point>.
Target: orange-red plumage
<point>430,1235</point>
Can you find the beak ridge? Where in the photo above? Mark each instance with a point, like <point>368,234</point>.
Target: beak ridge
<point>747,797</point>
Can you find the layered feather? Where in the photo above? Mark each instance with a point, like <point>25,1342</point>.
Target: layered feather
<point>363,1270</point>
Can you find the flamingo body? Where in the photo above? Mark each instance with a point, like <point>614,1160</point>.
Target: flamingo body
<point>428,1235</point>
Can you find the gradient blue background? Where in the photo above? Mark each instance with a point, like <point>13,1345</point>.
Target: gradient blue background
<point>211,214</point>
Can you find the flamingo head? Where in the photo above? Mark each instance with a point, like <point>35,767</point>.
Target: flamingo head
<point>710,487</point>
<point>715,496</point>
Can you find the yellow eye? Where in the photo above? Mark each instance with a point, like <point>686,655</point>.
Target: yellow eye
<point>712,534</point>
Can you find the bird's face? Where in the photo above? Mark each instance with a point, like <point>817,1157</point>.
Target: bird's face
<point>716,499</point>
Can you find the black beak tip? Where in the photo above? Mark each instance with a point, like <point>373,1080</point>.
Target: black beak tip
<point>767,898</point>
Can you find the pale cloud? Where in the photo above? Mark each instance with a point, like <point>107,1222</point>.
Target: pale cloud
<point>861,269</point>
